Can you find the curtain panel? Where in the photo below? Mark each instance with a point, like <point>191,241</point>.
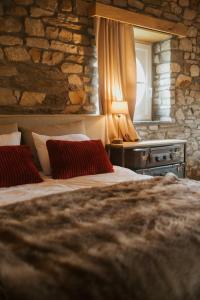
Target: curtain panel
<point>117,75</point>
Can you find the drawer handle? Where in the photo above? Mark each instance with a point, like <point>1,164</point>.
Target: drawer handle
<point>160,158</point>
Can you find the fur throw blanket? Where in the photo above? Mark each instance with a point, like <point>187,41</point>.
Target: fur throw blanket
<point>131,241</point>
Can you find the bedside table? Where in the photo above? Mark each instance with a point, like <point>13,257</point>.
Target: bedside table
<point>155,157</point>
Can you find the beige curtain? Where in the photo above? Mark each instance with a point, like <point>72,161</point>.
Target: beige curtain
<point>117,74</point>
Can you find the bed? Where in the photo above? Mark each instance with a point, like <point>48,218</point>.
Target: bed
<point>110,236</point>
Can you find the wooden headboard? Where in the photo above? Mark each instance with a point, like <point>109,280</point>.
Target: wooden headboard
<point>95,125</point>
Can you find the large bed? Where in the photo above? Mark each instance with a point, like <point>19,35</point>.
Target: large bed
<point>117,235</point>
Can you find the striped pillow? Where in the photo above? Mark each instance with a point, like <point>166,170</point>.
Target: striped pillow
<point>17,167</point>
<point>70,159</point>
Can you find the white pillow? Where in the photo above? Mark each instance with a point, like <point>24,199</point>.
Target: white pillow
<point>10,139</point>
<point>40,145</point>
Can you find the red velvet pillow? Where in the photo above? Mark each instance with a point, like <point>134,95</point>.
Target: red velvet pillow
<point>17,167</point>
<point>70,159</point>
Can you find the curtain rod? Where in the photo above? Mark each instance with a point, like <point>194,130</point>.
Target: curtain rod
<point>138,19</point>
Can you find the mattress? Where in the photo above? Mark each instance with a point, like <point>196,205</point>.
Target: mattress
<point>51,186</point>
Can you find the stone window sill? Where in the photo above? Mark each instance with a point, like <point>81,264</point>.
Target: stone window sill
<point>156,122</point>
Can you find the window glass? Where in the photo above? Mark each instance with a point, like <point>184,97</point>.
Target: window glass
<point>144,82</point>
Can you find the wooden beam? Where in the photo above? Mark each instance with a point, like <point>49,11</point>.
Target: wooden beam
<point>137,19</point>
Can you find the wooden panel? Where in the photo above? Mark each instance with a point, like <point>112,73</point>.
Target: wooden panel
<point>137,19</point>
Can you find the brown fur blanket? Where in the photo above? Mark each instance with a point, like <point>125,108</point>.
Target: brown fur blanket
<point>131,241</point>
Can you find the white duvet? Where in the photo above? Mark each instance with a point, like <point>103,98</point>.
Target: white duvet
<point>52,186</point>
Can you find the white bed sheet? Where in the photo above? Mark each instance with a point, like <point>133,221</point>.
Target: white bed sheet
<point>52,186</point>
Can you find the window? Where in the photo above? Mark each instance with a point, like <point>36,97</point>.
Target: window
<point>143,105</point>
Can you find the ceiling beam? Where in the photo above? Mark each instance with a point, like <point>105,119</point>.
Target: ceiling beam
<point>137,19</point>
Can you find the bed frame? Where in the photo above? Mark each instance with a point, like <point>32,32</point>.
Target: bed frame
<point>95,125</point>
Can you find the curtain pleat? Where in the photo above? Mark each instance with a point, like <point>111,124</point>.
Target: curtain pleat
<point>117,75</point>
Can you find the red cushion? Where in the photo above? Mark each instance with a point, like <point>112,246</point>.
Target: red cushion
<point>17,167</point>
<point>70,159</point>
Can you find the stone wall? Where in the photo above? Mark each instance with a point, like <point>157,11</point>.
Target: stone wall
<point>47,63</point>
<point>163,81</point>
<point>46,58</point>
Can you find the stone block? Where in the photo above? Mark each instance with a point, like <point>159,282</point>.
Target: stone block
<point>52,32</point>
<point>156,59</point>
<point>1,54</point>
<point>52,58</point>
<point>24,2</point>
<point>153,11</point>
<point>166,45</point>
<point>187,55</point>
<point>192,31</point>
<point>165,56</point>
<point>177,56</point>
<point>74,81</point>
<point>40,12</point>
<point>1,9</point>
<point>89,89</point>
<point>9,40</point>
<point>87,51</point>
<point>194,71</point>
<point>165,94</point>
<point>7,97</point>
<point>180,115</point>
<point>174,67</point>
<point>136,4</point>
<point>174,43</point>
<point>171,17</point>
<point>65,35</point>
<point>35,54</point>
<point>17,54</point>
<point>88,70</point>
<point>184,3</point>
<point>63,47</point>
<point>47,4</point>
<point>9,24</point>
<point>156,48</point>
<point>88,80</point>
<point>183,81</point>
<point>119,3</point>
<point>37,43</point>
<point>83,7</point>
<point>163,68</point>
<point>189,14</point>
<point>106,1</point>
<point>176,9</point>
<point>8,71</point>
<point>90,109</point>
<point>41,78</point>
<point>153,127</point>
<point>34,27</point>
<point>185,44</point>
<point>72,109</point>
<point>18,11</point>
<point>63,23</point>
<point>80,59</point>
<point>77,97</point>
<point>80,39</point>
<point>32,98</point>
<point>71,68</point>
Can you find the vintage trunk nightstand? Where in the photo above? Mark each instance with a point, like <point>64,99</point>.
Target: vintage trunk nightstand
<point>155,157</point>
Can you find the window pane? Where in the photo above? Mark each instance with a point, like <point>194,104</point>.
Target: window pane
<point>144,82</point>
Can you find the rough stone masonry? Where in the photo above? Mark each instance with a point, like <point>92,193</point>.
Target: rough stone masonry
<point>47,58</point>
